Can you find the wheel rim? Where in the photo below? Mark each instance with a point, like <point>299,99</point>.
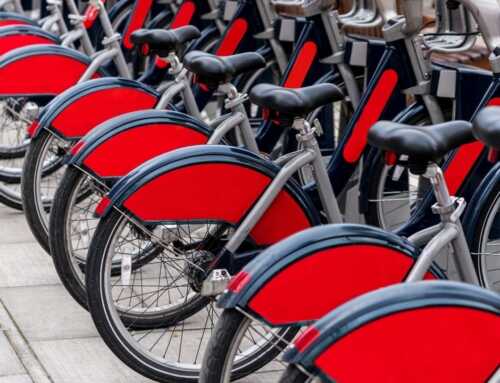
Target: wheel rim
<point>80,223</point>
<point>179,348</point>
<point>262,340</point>
<point>489,256</point>
<point>394,206</point>
<point>48,174</point>
<point>14,121</point>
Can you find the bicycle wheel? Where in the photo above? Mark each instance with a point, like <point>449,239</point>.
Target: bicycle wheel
<point>396,192</point>
<point>10,195</point>
<point>42,172</point>
<point>71,228</point>
<point>153,317</point>
<point>224,361</point>
<point>294,375</point>
<point>16,115</point>
<point>485,243</point>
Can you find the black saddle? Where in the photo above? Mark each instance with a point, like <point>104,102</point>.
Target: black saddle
<point>294,102</point>
<point>162,42</point>
<point>487,127</point>
<point>422,144</point>
<point>214,70</point>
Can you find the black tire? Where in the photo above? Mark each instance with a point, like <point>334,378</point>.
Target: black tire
<point>293,375</point>
<point>62,255</point>
<point>223,339</point>
<point>489,214</point>
<point>114,330</point>
<point>36,210</point>
<point>10,199</point>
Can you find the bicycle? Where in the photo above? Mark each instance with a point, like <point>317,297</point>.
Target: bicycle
<point>54,126</point>
<point>86,167</point>
<point>374,328</point>
<point>346,260</point>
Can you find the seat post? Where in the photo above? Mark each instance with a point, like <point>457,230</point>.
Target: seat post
<point>450,209</point>
<point>307,138</point>
<point>235,101</point>
<point>441,192</point>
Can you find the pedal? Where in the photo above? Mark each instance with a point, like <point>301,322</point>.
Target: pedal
<point>216,283</point>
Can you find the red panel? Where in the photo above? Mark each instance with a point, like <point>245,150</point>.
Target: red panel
<point>10,22</point>
<point>90,16</point>
<point>233,38</point>
<point>370,115</point>
<point>218,192</point>
<point>431,345</point>
<point>303,63</point>
<point>88,111</point>
<point>139,14</point>
<point>7,43</point>
<point>133,147</point>
<point>184,15</point>
<point>333,277</point>
<point>23,76</point>
<point>463,160</point>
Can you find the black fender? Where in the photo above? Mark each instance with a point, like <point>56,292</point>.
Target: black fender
<point>65,106</point>
<point>29,30</point>
<point>397,307</point>
<point>374,155</point>
<point>235,177</point>
<point>479,199</point>
<point>12,18</point>
<point>21,70</point>
<point>318,251</point>
<point>109,140</point>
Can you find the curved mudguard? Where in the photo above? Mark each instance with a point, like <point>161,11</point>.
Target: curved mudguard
<point>82,107</point>
<point>18,36</point>
<point>406,333</point>
<point>305,276</point>
<point>12,18</point>
<point>41,70</point>
<point>211,183</point>
<point>134,138</point>
<point>479,199</point>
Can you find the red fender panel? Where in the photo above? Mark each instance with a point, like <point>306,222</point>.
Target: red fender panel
<point>7,43</point>
<point>313,286</point>
<point>125,151</point>
<point>218,192</point>
<point>431,345</point>
<point>11,22</point>
<point>23,76</point>
<point>94,108</point>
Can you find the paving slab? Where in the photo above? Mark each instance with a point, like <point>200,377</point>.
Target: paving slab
<point>13,227</point>
<point>25,264</point>
<point>47,312</point>
<point>9,362</point>
<point>83,361</point>
<point>16,379</point>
